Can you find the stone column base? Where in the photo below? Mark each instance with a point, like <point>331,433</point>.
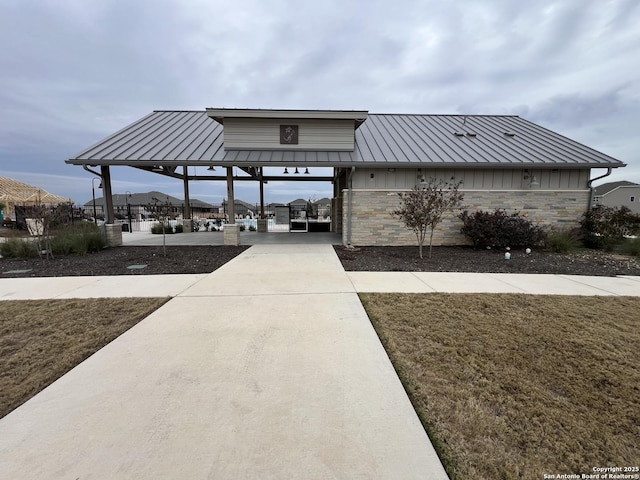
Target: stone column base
<point>187,224</point>
<point>232,234</point>
<point>113,234</point>
<point>263,225</point>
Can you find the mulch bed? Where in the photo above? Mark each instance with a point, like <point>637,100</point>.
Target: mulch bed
<point>206,259</point>
<point>467,259</point>
<point>115,261</point>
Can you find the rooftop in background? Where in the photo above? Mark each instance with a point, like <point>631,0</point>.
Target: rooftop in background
<point>174,138</point>
<point>608,187</point>
<point>150,198</point>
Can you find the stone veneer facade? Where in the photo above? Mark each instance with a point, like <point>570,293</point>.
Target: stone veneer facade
<point>374,224</point>
<point>113,234</point>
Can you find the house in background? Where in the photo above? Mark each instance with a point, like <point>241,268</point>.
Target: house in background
<point>618,194</point>
<point>241,209</point>
<point>137,203</point>
<point>503,161</point>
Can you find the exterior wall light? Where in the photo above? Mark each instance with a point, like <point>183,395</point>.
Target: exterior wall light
<point>286,172</point>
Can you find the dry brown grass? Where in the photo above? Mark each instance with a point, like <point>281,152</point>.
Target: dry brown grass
<point>42,340</point>
<point>516,386</point>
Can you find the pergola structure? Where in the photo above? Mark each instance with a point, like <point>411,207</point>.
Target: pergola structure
<point>169,142</point>
<point>504,161</point>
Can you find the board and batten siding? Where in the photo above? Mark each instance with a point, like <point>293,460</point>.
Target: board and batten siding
<point>473,178</point>
<point>264,134</point>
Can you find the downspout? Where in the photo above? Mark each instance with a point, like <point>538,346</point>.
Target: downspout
<point>91,171</point>
<point>590,206</point>
<point>350,204</point>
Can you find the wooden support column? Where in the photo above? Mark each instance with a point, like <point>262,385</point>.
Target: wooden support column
<point>231,229</point>
<point>232,201</point>
<point>112,232</point>
<point>106,190</point>
<point>261,195</point>
<point>263,223</point>
<point>187,207</point>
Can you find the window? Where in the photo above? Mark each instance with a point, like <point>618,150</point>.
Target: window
<point>632,199</point>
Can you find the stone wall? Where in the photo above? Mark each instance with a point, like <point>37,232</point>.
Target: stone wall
<point>113,234</point>
<point>374,224</point>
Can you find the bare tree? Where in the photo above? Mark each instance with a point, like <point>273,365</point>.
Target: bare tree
<point>423,208</point>
<point>162,212</point>
<point>45,218</point>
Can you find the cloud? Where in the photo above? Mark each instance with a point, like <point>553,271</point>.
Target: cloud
<point>77,71</point>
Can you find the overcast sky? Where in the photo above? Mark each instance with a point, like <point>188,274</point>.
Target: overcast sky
<point>74,71</point>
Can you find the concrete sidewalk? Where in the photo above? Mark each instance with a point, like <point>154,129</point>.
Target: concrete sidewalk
<point>266,368</point>
<point>244,281</point>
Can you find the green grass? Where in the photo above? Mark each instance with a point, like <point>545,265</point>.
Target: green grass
<point>516,386</point>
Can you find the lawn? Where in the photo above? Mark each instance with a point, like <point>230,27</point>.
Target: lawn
<point>507,386</point>
<point>42,340</point>
<point>518,386</point>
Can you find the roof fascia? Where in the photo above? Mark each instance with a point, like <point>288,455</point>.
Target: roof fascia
<point>219,114</point>
<point>357,164</point>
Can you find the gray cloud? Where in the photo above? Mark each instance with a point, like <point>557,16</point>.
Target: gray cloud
<point>77,71</point>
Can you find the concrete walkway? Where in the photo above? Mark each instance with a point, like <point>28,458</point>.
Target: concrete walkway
<point>268,368</point>
<point>265,368</point>
<point>144,239</point>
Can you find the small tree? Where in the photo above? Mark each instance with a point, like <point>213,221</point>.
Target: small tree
<point>423,208</point>
<point>162,212</point>
<point>45,219</point>
<point>604,227</point>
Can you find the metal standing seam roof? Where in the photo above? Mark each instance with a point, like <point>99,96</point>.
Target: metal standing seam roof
<point>383,140</point>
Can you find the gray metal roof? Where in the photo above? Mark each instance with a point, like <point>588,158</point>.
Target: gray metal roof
<point>387,140</point>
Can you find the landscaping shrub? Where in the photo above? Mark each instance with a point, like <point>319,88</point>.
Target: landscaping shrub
<point>252,228</point>
<point>19,248</point>
<point>499,229</point>
<point>562,241</point>
<point>606,227</point>
<point>631,246</point>
<point>158,227</point>
<point>242,227</point>
<point>179,228</point>
<point>78,239</point>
